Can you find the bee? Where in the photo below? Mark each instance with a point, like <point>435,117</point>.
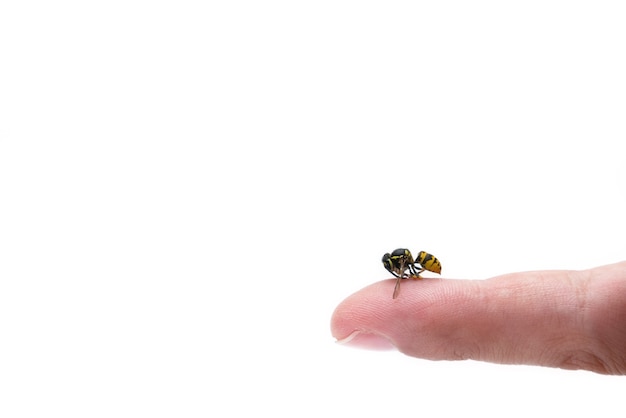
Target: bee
<point>401,261</point>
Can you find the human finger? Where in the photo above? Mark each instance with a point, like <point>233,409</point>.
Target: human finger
<point>567,319</point>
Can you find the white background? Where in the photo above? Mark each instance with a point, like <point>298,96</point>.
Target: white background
<point>188,189</point>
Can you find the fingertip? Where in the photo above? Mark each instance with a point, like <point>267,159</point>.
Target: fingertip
<point>368,341</point>
<point>358,321</point>
<point>373,312</point>
<point>356,311</point>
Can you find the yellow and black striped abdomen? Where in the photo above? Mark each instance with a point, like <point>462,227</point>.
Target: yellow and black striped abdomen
<point>428,262</point>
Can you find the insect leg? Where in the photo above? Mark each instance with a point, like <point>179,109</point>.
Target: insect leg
<point>394,273</point>
<point>416,272</point>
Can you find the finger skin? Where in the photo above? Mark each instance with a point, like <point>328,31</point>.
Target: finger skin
<point>566,319</point>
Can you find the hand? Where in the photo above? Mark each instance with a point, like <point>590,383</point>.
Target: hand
<point>566,319</point>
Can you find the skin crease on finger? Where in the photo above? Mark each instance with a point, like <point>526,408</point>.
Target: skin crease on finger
<point>566,319</point>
